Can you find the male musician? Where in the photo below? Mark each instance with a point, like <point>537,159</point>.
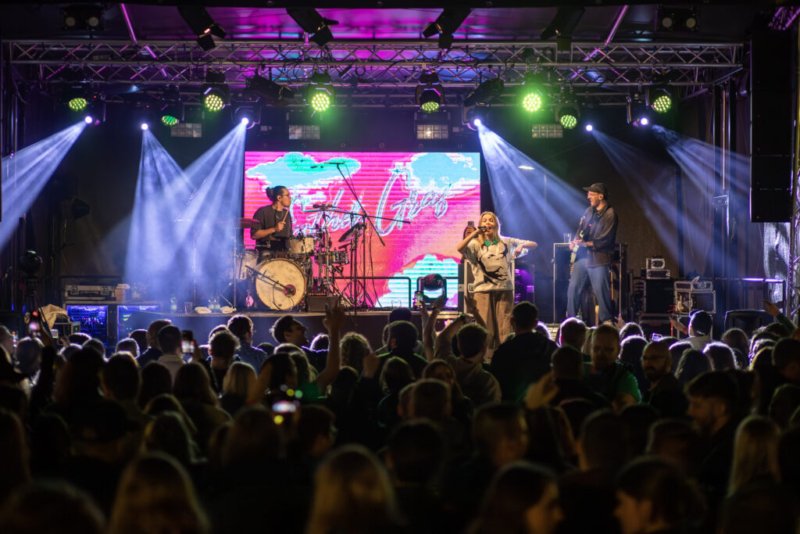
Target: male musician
<point>274,221</point>
<point>593,247</point>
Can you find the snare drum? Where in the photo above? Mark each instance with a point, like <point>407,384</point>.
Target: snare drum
<point>280,284</point>
<point>336,257</point>
<point>300,245</point>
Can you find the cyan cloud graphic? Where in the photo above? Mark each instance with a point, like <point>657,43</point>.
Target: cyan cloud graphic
<point>441,171</point>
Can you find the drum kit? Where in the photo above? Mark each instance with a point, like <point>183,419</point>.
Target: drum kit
<point>309,265</point>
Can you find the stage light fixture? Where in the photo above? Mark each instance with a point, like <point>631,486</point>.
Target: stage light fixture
<point>83,17</point>
<point>88,119</point>
<point>563,24</point>
<point>314,24</point>
<point>477,122</point>
<point>660,100</point>
<point>533,94</point>
<point>636,110</point>
<point>446,25</point>
<point>320,94</point>
<point>588,127</point>
<point>77,103</point>
<point>672,18</point>
<point>568,117</point>
<point>430,93</point>
<point>214,100</point>
<point>202,25</point>
<point>486,93</point>
<point>144,126</point>
<point>247,115</point>
<point>269,90</point>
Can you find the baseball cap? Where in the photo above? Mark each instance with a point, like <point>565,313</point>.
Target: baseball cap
<point>598,187</point>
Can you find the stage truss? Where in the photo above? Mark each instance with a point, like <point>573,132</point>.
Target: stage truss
<point>378,73</point>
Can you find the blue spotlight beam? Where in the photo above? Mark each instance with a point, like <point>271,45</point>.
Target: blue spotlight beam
<point>184,221</point>
<point>213,212</point>
<point>532,202</point>
<point>26,173</point>
<point>653,186</point>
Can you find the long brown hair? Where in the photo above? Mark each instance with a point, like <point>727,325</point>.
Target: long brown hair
<point>352,493</point>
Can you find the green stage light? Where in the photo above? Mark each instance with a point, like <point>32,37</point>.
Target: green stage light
<point>169,120</point>
<point>430,100</point>
<point>77,103</point>
<point>213,102</point>
<point>568,121</point>
<point>320,100</point>
<point>532,102</point>
<point>661,101</point>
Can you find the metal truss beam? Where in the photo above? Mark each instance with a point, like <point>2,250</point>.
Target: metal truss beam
<point>368,67</point>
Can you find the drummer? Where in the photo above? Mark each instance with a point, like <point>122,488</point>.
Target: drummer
<point>274,222</point>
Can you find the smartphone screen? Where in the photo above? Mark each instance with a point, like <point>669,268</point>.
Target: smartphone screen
<point>284,407</point>
<point>187,347</point>
<point>655,337</point>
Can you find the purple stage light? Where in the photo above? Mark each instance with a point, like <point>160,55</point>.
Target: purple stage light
<point>589,127</point>
<point>144,126</point>
<point>477,122</point>
<point>245,121</point>
<point>88,119</point>
<point>644,121</point>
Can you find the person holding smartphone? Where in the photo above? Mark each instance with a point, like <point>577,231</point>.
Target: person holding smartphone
<point>492,257</point>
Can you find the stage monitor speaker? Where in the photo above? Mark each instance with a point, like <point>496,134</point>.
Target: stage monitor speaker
<point>771,116</point>
<point>659,297</point>
<point>317,303</point>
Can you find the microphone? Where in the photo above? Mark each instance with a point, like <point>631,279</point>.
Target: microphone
<point>482,228</point>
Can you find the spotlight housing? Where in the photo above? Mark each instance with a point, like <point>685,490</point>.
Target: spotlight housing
<point>672,18</point>
<point>486,93</point>
<point>314,24</point>
<point>202,25</point>
<point>77,103</point>
<point>247,115</point>
<point>88,17</point>
<point>636,110</point>
<point>567,116</point>
<point>660,100</point>
<point>144,126</point>
<point>88,119</point>
<point>588,127</point>
<point>430,93</point>
<point>269,90</point>
<point>446,25</point>
<point>533,94</point>
<point>320,95</point>
<point>216,95</point>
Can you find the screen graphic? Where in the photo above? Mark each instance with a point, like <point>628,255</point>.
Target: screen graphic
<point>436,193</point>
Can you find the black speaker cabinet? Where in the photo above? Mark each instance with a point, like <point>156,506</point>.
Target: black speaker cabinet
<point>771,116</point>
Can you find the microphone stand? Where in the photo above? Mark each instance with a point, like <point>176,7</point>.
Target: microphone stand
<point>371,224</point>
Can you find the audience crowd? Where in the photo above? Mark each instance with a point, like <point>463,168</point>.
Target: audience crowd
<point>596,431</point>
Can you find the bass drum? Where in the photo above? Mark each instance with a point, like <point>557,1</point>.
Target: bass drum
<point>280,284</point>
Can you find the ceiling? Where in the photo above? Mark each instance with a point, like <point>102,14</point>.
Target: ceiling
<point>376,55</point>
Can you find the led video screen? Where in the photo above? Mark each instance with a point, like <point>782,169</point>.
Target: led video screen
<point>420,203</point>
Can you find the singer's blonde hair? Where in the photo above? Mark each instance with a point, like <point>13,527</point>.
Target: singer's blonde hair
<point>496,219</point>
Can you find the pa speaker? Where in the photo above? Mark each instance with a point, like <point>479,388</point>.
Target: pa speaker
<point>771,116</point>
